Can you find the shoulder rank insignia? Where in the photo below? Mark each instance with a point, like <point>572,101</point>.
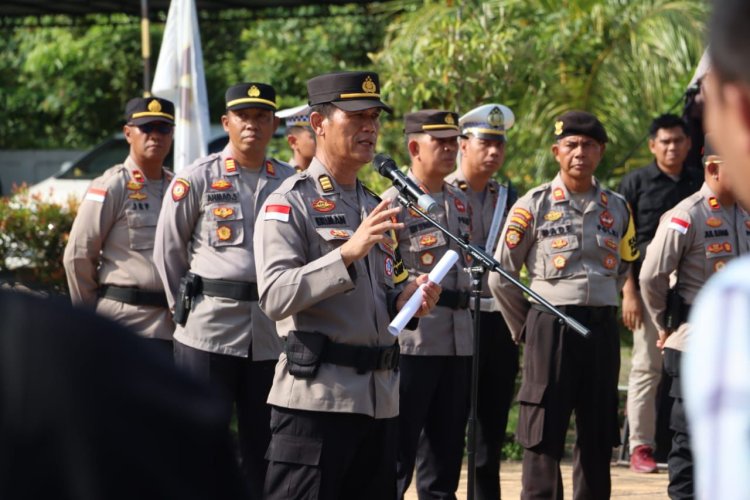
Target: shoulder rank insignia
<point>180,189</point>
<point>714,203</point>
<point>323,205</point>
<point>462,185</point>
<point>134,186</point>
<point>230,165</point>
<point>224,233</point>
<point>137,196</point>
<point>558,194</point>
<point>325,183</point>
<point>221,185</point>
<point>270,169</point>
<point>138,176</point>
<point>604,198</point>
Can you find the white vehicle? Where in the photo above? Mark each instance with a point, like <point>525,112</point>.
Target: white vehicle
<point>75,176</point>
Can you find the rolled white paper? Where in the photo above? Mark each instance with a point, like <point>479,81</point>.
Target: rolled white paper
<point>415,301</point>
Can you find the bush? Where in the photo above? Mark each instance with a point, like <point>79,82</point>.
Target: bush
<point>33,235</point>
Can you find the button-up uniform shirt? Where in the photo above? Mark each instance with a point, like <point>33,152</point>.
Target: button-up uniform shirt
<point>111,243</point>
<point>206,226</point>
<point>304,285</point>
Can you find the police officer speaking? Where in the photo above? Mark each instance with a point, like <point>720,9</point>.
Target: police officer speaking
<point>108,259</point>
<point>205,256</point>
<point>329,275</point>
<point>576,239</point>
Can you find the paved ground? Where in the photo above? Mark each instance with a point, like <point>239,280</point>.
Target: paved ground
<point>625,484</point>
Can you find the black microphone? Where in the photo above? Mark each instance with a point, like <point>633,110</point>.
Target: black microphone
<point>386,167</point>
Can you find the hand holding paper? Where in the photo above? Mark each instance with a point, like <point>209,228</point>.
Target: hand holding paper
<point>412,305</point>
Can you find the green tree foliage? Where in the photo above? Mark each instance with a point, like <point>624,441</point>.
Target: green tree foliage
<point>624,60</point>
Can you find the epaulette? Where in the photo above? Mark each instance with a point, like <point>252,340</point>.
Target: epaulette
<point>372,193</point>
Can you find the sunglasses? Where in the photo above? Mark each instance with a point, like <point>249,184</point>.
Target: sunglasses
<point>161,128</point>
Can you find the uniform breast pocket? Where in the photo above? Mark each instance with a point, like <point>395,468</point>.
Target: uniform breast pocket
<point>425,248</point>
<point>332,238</point>
<point>559,254</point>
<point>611,247</point>
<point>141,230</point>
<point>226,227</point>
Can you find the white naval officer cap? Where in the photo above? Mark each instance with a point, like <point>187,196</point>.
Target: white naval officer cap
<point>298,116</point>
<point>488,121</point>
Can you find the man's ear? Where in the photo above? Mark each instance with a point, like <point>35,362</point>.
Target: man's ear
<point>316,122</point>
<point>128,132</point>
<point>225,122</point>
<point>291,139</point>
<point>413,146</point>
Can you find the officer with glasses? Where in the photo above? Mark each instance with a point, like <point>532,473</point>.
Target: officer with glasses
<point>109,256</point>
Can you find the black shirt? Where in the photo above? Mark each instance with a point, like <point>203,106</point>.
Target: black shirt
<point>650,193</point>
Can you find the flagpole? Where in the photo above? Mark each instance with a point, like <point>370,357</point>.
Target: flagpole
<point>146,48</point>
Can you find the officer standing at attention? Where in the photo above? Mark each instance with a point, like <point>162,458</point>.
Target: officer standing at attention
<point>109,256</point>
<point>482,156</point>
<point>695,239</point>
<point>576,239</point>
<point>435,357</point>
<point>330,275</point>
<point>299,135</point>
<point>205,256</point>
<point>651,191</point>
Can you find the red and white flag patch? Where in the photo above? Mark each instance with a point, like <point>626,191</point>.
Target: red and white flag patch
<point>277,212</point>
<point>96,194</point>
<point>679,225</point>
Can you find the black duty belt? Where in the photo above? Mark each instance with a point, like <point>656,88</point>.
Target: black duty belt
<point>685,313</point>
<point>584,314</point>
<point>455,299</point>
<point>363,358</point>
<point>237,290</point>
<point>133,296</point>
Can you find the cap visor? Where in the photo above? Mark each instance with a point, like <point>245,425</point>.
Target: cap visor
<point>360,104</point>
<point>246,105</point>
<point>443,134</point>
<point>150,119</point>
<point>487,137</point>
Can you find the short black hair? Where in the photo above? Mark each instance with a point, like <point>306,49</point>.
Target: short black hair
<point>326,109</point>
<point>729,40</point>
<point>667,121</point>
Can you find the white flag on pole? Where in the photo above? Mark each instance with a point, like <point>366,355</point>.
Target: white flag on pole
<point>180,78</point>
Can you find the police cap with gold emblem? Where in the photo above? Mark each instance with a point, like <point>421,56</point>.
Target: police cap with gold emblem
<point>580,123</point>
<point>347,90</point>
<point>298,116</point>
<point>250,95</point>
<point>434,122</point>
<point>141,110</point>
<point>488,121</point>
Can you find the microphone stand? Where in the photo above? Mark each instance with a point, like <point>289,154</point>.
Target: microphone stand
<point>482,263</point>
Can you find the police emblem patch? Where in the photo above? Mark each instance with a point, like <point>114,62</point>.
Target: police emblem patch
<point>180,189</point>
<point>513,238</point>
<point>610,261</point>
<point>553,215</point>
<point>559,262</point>
<point>221,185</point>
<point>606,219</point>
<point>713,221</point>
<point>428,240</point>
<point>388,266</point>
<point>223,212</point>
<point>323,205</point>
<point>427,259</point>
<point>560,243</point>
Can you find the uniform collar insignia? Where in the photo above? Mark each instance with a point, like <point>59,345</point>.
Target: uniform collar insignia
<point>270,169</point>
<point>326,184</point>
<point>230,166</point>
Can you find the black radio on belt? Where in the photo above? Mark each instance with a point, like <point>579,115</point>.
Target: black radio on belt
<point>188,289</point>
<point>676,312</point>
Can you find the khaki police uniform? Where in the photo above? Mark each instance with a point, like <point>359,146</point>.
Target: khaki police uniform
<point>110,249</point>
<point>695,239</point>
<point>577,255</point>
<point>435,357</point>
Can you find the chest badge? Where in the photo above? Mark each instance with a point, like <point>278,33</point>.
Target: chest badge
<point>459,205</point>
<point>137,196</point>
<point>340,233</point>
<point>559,262</point>
<point>553,215</point>
<point>224,233</point>
<point>719,265</point>
<point>388,266</point>
<point>221,185</point>
<point>610,261</point>
<point>223,212</point>
<point>609,243</point>
<point>606,219</point>
<point>323,205</point>
<point>427,259</point>
<point>134,186</point>
<point>713,221</point>
<point>138,176</point>
<point>427,240</point>
<point>560,243</point>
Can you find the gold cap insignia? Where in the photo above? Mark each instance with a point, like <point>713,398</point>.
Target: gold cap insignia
<point>369,86</point>
<point>154,106</point>
<point>496,117</point>
<point>449,119</point>
<point>253,91</point>
<point>558,127</point>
